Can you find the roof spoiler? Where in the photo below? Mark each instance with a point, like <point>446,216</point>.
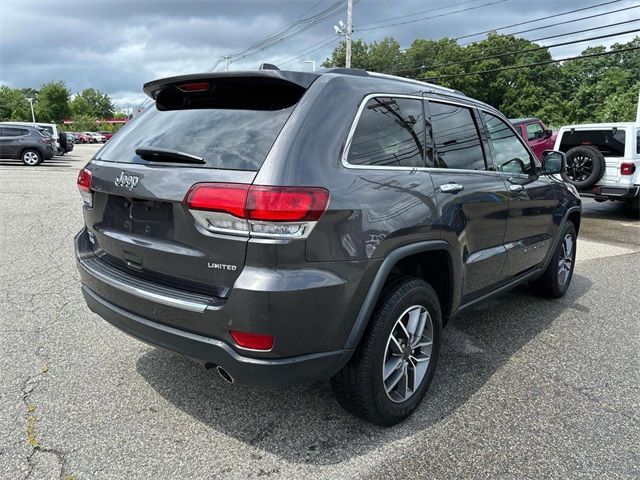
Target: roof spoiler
<point>300,79</point>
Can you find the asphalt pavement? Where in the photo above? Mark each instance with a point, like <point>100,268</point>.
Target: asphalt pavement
<point>526,387</point>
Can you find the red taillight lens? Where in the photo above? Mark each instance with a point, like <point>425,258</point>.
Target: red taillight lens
<point>273,204</point>
<point>194,87</point>
<point>627,168</point>
<point>286,204</point>
<point>84,180</point>
<point>253,341</point>
<point>218,197</point>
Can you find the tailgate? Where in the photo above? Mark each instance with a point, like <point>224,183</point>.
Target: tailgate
<point>147,230</point>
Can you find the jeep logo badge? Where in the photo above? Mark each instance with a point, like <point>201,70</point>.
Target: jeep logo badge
<point>126,181</point>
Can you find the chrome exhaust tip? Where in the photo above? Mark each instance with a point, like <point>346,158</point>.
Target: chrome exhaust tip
<point>224,374</point>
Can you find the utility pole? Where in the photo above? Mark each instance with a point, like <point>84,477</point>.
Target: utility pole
<point>226,64</point>
<point>349,31</point>
<point>33,115</point>
<point>345,31</point>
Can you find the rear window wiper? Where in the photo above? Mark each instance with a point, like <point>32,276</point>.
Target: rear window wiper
<point>155,154</point>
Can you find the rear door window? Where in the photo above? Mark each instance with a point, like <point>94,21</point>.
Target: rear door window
<point>509,153</point>
<point>456,138</point>
<point>611,142</point>
<point>390,133</point>
<point>11,132</point>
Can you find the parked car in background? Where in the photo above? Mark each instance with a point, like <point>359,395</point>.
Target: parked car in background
<point>603,160</point>
<point>71,137</point>
<point>25,142</point>
<point>106,135</point>
<point>535,133</point>
<point>96,137</point>
<point>82,137</point>
<point>317,227</point>
<point>50,128</point>
<point>66,143</point>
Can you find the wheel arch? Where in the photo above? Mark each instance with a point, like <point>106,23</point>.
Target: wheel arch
<point>414,260</point>
<point>36,149</point>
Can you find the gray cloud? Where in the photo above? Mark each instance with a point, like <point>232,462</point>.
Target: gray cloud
<point>117,46</point>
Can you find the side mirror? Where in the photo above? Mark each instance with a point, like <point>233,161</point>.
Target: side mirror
<point>548,133</point>
<point>553,162</point>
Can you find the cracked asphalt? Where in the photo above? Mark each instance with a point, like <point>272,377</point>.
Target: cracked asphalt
<point>525,388</point>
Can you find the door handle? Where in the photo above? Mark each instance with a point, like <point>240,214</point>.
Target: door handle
<point>516,188</point>
<point>451,188</point>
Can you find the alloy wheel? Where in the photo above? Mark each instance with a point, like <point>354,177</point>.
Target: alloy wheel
<point>408,353</point>
<point>566,259</point>
<point>30,158</point>
<point>579,168</point>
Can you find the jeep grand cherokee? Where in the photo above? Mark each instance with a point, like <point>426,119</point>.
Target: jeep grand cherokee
<point>289,227</point>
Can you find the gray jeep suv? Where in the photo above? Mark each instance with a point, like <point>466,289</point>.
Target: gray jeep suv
<point>288,227</point>
<point>26,143</point>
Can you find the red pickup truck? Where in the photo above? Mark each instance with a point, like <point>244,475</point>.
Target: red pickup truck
<point>535,133</point>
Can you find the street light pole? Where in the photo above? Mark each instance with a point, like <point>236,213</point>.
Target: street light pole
<point>349,32</point>
<point>313,64</point>
<point>33,115</point>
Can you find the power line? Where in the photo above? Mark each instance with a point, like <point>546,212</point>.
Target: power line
<point>537,64</point>
<point>436,16</point>
<point>541,18</point>
<point>418,13</point>
<point>307,52</point>
<point>588,17</point>
<point>584,30</point>
<point>550,36</point>
<point>291,30</point>
<point>516,52</point>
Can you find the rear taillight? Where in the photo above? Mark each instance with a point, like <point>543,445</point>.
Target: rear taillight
<point>84,185</point>
<point>627,168</point>
<point>262,211</point>
<point>252,341</point>
<point>47,140</point>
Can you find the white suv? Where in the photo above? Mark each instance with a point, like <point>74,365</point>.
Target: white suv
<point>603,160</point>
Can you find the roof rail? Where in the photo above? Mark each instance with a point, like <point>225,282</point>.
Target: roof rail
<point>411,80</point>
<point>348,71</point>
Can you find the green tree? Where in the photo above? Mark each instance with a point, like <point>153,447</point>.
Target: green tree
<point>53,103</point>
<point>84,123</point>
<point>592,89</point>
<point>359,55</point>
<point>13,105</point>
<point>93,103</point>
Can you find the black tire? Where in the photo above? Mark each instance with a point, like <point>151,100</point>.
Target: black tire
<point>359,387</point>
<point>31,157</point>
<point>635,207</point>
<point>552,284</point>
<point>585,166</point>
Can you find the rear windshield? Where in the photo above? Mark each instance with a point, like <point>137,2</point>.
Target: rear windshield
<point>610,142</point>
<point>226,139</point>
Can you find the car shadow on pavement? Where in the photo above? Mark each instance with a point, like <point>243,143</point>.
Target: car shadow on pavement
<point>70,159</point>
<point>609,211</point>
<point>304,424</point>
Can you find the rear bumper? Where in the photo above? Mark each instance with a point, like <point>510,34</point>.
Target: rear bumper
<point>310,324</point>
<point>617,193</point>
<point>210,351</point>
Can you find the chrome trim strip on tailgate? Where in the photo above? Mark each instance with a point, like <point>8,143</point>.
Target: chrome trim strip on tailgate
<point>147,290</point>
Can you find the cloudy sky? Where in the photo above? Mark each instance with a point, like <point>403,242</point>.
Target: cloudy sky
<point>116,46</point>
